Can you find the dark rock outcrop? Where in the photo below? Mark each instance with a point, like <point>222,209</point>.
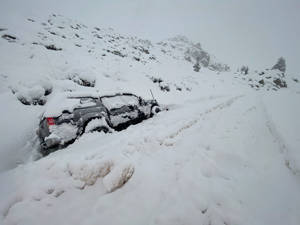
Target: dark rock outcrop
<point>9,38</point>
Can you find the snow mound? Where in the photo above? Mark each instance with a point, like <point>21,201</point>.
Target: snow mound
<point>83,78</point>
<point>118,176</point>
<point>96,123</point>
<point>90,171</point>
<point>200,162</point>
<point>33,92</point>
<point>63,132</point>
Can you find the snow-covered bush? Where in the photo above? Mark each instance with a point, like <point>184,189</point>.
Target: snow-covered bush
<point>82,79</point>
<point>280,65</point>
<point>164,86</point>
<point>32,93</point>
<point>244,70</point>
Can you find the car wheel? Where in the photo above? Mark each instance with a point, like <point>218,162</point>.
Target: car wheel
<point>155,110</point>
<point>97,125</point>
<point>99,129</point>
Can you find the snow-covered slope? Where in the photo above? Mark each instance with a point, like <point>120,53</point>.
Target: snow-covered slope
<point>224,153</point>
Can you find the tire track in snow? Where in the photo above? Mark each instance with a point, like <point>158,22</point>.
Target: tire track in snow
<point>282,145</point>
<point>191,123</point>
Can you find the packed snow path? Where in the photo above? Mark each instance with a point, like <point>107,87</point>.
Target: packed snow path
<point>214,160</point>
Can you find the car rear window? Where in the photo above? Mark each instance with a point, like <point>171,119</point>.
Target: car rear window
<point>113,102</point>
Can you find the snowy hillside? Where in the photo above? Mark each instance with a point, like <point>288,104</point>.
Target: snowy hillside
<point>226,151</point>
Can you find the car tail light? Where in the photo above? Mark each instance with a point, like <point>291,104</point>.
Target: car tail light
<point>50,121</point>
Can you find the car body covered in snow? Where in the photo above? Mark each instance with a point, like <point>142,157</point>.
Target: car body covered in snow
<point>68,116</point>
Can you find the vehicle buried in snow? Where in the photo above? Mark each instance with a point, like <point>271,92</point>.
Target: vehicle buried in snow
<point>69,116</point>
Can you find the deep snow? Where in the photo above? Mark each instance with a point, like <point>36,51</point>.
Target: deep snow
<point>222,154</point>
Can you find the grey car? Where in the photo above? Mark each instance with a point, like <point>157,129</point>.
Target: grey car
<point>70,116</point>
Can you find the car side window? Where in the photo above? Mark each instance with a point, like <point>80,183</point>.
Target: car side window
<point>115,102</point>
<point>130,100</point>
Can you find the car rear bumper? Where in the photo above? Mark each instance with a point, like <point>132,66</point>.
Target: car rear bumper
<point>49,146</point>
<point>50,142</point>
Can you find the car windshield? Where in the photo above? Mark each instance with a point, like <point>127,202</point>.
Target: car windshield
<point>112,102</point>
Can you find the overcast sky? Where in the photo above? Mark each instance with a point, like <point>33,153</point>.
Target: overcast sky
<point>252,32</point>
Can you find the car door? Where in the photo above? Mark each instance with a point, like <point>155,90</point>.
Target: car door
<point>123,108</point>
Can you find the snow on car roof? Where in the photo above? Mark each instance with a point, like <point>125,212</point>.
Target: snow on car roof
<point>70,100</point>
<point>58,103</point>
<point>83,94</point>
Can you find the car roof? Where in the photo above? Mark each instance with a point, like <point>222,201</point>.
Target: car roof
<point>68,101</point>
<point>118,94</point>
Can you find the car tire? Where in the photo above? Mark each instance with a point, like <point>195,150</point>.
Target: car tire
<point>101,128</point>
<point>154,110</point>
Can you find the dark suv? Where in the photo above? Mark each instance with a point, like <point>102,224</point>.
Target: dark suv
<point>68,117</point>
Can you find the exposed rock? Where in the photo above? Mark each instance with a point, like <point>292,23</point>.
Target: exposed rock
<point>97,36</point>
<point>262,82</point>
<point>81,80</point>
<point>118,53</point>
<point>76,27</point>
<point>142,49</point>
<point>9,38</point>
<point>197,67</point>
<point>24,101</point>
<point>52,32</point>
<point>178,88</point>
<point>53,47</point>
<point>156,80</point>
<point>219,67</point>
<point>164,87</point>
<point>280,83</point>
